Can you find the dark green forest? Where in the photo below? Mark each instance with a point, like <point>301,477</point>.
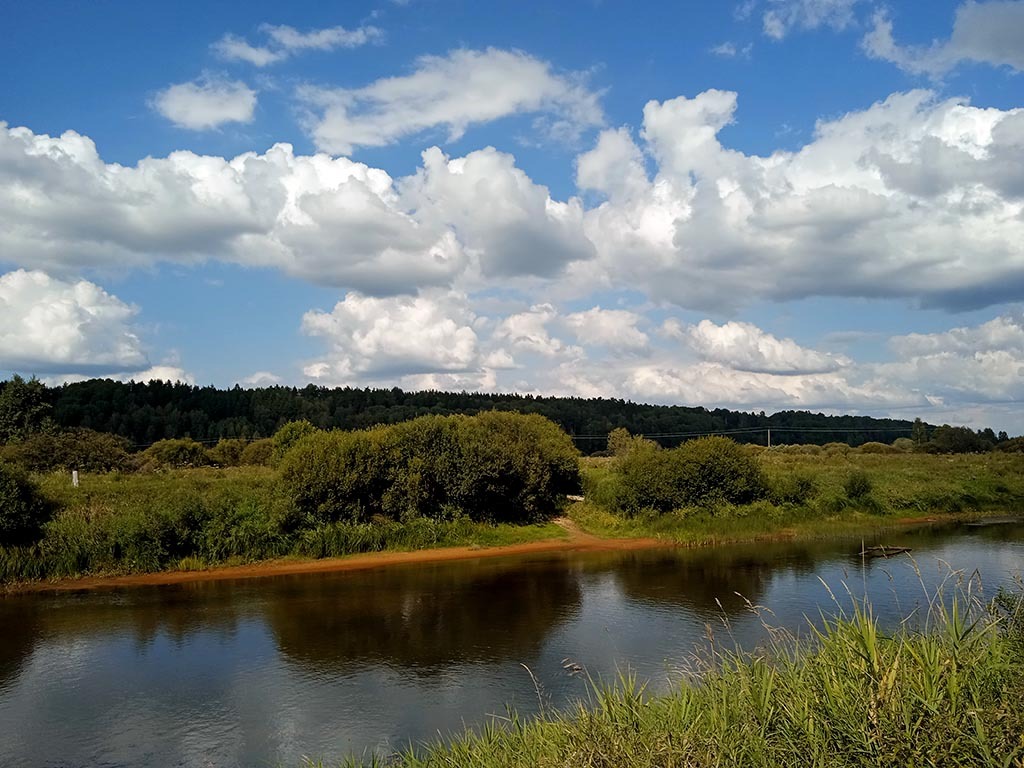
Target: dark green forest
<point>148,412</point>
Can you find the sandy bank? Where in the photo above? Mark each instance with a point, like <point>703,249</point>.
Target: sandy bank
<point>576,541</point>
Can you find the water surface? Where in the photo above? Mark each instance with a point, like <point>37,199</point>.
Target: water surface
<point>264,671</point>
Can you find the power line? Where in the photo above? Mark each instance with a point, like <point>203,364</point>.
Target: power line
<point>752,430</point>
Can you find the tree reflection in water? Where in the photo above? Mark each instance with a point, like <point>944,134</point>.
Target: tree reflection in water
<point>422,619</point>
<point>21,627</point>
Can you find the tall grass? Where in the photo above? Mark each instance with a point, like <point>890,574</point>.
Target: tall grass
<point>949,692</point>
<point>335,539</point>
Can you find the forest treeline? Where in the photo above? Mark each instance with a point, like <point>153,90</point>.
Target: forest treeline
<point>145,413</point>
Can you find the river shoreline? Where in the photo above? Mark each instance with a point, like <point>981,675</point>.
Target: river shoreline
<point>576,540</point>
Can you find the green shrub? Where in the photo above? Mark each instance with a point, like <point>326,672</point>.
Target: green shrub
<point>621,442</point>
<point>228,452</point>
<point>287,436</point>
<point>81,449</point>
<point>337,475</point>
<point>857,485</point>
<point>793,489</point>
<point>513,467</point>
<point>706,471</point>
<point>175,454</point>
<point>23,509</point>
<point>645,479</point>
<point>155,522</point>
<point>258,453</point>
<point>875,447</point>
<point>904,444</point>
<point>496,467</point>
<point>719,469</point>
<point>1013,445</point>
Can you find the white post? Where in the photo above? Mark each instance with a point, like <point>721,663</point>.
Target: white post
<point>74,477</point>
<point>769,437</point>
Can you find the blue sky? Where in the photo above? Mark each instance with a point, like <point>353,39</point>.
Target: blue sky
<point>762,204</point>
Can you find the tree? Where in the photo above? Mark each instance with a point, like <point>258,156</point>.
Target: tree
<point>289,435</point>
<point>919,433</point>
<point>24,409</point>
<point>23,509</point>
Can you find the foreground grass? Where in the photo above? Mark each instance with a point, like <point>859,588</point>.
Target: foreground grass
<point>948,694</point>
<point>902,486</point>
<point>203,518</point>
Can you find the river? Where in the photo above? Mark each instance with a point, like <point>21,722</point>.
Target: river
<point>262,672</point>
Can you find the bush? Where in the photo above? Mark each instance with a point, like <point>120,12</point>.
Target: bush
<point>497,467</point>
<point>175,454</point>
<point>719,469</point>
<point>258,453</point>
<point>621,442</point>
<point>153,522</point>
<point>23,509</point>
<point>646,478</point>
<point>793,489</point>
<point>799,449</point>
<point>1013,445</point>
<point>228,452</point>
<point>836,449</point>
<point>874,447</point>
<point>337,475</point>
<point>857,485</point>
<point>81,449</point>
<point>287,436</point>
<point>513,467</point>
<point>704,471</point>
<point>904,444</point>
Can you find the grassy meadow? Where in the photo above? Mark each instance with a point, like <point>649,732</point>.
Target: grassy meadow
<point>811,492</point>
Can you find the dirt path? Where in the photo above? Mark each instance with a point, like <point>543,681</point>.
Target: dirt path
<point>576,541</point>
<point>576,534</point>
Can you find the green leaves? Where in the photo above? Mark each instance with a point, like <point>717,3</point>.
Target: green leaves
<point>495,467</point>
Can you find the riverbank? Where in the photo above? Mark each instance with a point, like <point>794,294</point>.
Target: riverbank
<point>569,539</point>
<point>568,536</point>
<point>188,525</point>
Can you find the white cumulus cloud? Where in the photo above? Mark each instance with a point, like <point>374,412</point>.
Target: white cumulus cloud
<point>396,336</point>
<point>206,103</point>
<point>464,88</point>
<point>911,197</point>
<point>48,325</point>
<point>508,222</point>
<point>171,373</point>
<point>982,362</point>
<point>745,347</point>
<point>261,379</point>
<point>987,33</point>
<point>613,328</point>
